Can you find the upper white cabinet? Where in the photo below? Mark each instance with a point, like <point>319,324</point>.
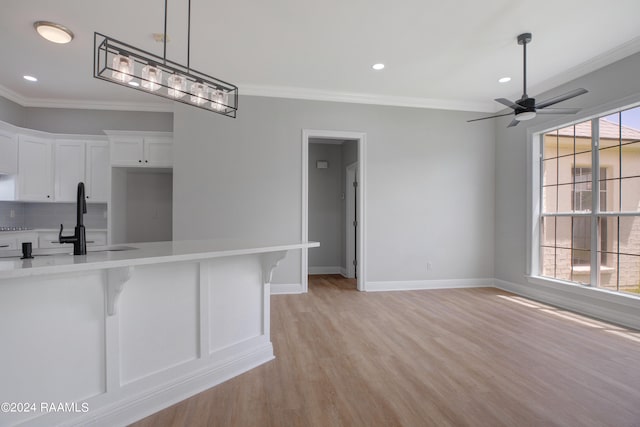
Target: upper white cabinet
<point>97,171</point>
<point>139,150</point>
<point>8,153</point>
<point>35,169</point>
<point>158,151</point>
<point>68,169</point>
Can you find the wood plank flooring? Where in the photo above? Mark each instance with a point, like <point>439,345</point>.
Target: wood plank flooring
<point>458,357</point>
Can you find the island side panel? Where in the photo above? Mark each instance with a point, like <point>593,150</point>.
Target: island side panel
<point>236,306</point>
<point>52,331</point>
<point>158,319</point>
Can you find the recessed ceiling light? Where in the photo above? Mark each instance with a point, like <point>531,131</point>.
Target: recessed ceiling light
<point>30,78</point>
<point>134,84</point>
<point>504,79</point>
<point>53,32</point>
<point>377,67</point>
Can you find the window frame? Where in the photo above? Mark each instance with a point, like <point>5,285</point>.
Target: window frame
<point>535,172</point>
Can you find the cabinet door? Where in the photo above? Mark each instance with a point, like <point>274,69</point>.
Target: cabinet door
<point>68,169</point>
<point>8,153</point>
<point>97,176</point>
<point>158,151</point>
<point>35,169</point>
<point>126,151</point>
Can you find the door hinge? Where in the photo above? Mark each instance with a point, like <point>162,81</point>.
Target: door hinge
<point>355,263</point>
<point>355,223</point>
<point>355,183</point>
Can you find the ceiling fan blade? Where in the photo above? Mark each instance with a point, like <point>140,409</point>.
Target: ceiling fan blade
<point>508,103</point>
<point>558,111</point>
<point>489,117</point>
<point>568,95</point>
<point>513,123</point>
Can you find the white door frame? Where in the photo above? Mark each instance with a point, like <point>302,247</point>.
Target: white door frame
<point>360,138</point>
<point>351,172</point>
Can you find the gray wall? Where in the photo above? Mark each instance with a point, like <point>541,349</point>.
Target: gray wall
<point>149,207</point>
<point>326,207</point>
<point>611,83</point>
<point>11,112</point>
<point>430,182</point>
<point>141,206</point>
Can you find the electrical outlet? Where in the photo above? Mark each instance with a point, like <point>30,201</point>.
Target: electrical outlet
<point>429,266</point>
<point>12,214</point>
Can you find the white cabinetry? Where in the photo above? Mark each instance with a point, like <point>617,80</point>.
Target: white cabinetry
<point>35,169</point>
<point>69,169</point>
<point>140,150</point>
<point>97,171</point>
<point>8,153</point>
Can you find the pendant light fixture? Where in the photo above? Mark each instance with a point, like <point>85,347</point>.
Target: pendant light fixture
<point>126,65</point>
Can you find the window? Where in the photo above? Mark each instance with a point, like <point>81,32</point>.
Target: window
<point>570,212</point>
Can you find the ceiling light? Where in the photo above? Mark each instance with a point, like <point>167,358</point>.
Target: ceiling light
<point>504,79</point>
<point>526,115</point>
<point>30,78</point>
<point>53,32</point>
<point>377,67</point>
<point>123,64</point>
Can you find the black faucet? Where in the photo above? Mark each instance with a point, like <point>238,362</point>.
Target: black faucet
<point>78,239</point>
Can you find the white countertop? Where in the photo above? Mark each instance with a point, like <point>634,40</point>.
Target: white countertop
<point>61,261</point>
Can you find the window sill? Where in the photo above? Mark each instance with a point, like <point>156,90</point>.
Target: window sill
<point>587,269</point>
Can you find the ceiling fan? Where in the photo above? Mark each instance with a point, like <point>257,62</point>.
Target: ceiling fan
<point>526,108</point>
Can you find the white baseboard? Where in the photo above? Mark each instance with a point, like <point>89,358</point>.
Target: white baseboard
<point>343,272</point>
<point>325,270</point>
<point>597,303</point>
<point>286,288</point>
<point>408,285</point>
<point>169,394</point>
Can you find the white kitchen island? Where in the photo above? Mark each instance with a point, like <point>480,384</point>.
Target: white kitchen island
<point>112,336</point>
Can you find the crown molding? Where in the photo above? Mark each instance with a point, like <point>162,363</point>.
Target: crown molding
<point>363,98</point>
<point>258,90</point>
<point>83,104</point>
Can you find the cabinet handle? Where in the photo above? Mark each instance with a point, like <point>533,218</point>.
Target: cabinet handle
<point>87,197</point>
<point>48,196</point>
<point>4,246</point>
<point>146,161</point>
<point>139,161</point>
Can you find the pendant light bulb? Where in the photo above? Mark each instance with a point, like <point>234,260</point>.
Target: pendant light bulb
<point>123,68</point>
<point>198,93</point>
<point>151,78</point>
<point>177,86</point>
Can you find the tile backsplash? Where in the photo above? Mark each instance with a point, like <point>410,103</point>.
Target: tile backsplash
<point>50,215</point>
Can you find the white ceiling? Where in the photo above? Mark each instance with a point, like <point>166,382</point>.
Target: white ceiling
<point>443,54</point>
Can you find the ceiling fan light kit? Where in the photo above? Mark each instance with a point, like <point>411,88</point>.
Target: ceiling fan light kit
<point>120,63</point>
<point>526,108</point>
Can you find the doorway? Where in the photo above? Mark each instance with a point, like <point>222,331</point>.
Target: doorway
<point>333,178</point>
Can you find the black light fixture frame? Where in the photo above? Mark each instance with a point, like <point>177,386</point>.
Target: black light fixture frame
<point>105,46</point>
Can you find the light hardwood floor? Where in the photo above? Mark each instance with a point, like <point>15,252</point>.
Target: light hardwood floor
<point>459,357</point>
